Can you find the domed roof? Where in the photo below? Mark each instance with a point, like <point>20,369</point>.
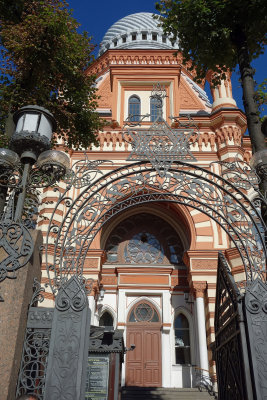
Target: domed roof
<point>136,31</point>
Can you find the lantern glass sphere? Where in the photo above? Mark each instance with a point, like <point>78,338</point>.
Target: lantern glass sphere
<point>8,158</point>
<point>53,157</point>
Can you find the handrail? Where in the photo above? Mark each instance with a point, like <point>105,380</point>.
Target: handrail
<point>204,380</point>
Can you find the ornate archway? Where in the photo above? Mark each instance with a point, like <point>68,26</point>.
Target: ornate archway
<point>224,199</point>
<point>91,198</point>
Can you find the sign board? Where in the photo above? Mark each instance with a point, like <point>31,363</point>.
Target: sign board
<point>97,378</point>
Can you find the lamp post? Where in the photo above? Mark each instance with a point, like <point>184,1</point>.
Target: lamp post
<point>27,164</point>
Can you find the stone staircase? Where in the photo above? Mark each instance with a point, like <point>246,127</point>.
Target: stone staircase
<point>141,393</point>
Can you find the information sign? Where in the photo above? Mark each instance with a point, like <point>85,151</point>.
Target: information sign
<point>97,378</point>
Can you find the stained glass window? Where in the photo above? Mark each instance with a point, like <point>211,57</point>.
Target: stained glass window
<point>143,312</point>
<point>143,248</point>
<point>144,239</point>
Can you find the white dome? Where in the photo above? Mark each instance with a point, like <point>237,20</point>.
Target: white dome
<point>136,31</point>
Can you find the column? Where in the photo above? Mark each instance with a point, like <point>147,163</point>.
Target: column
<point>121,324</point>
<point>166,343</point>
<point>91,303</point>
<point>222,93</point>
<point>199,288</point>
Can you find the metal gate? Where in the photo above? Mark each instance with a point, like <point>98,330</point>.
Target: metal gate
<point>232,365</point>
<point>240,337</point>
<point>56,345</point>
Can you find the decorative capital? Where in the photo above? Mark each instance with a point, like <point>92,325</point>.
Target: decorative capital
<point>199,288</point>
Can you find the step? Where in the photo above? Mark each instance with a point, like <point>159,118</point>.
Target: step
<point>133,393</point>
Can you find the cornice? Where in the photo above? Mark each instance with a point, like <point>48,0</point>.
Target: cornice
<point>226,116</point>
<point>145,58</point>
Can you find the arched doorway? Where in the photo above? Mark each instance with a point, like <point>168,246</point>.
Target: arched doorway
<point>143,364</point>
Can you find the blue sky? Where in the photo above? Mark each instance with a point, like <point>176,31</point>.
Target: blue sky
<point>96,17</point>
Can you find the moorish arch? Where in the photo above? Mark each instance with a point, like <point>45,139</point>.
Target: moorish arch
<point>139,183</point>
<point>176,219</point>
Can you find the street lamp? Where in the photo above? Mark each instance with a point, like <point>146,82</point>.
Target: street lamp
<point>29,146</point>
<point>27,165</point>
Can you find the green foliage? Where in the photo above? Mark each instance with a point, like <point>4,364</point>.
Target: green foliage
<point>44,63</point>
<point>261,95</point>
<point>210,31</point>
<point>11,10</point>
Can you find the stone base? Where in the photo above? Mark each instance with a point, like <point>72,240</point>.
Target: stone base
<point>17,294</point>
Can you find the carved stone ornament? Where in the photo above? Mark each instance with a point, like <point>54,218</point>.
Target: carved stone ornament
<point>256,298</point>
<point>68,352</point>
<point>71,295</point>
<point>256,315</point>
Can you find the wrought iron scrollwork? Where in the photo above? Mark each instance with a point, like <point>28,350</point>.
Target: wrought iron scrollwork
<point>35,351</point>
<point>15,237</point>
<point>38,293</point>
<point>161,144</point>
<point>39,177</point>
<point>17,247</point>
<point>137,183</point>
<point>34,362</point>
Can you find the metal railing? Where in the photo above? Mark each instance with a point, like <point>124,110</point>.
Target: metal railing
<point>203,380</point>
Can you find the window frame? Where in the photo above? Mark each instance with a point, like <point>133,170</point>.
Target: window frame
<point>136,116</point>
<point>110,314</point>
<point>155,115</point>
<point>189,329</point>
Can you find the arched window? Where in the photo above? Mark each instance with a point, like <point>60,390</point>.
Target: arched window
<point>144,239</point>
<point>134,108</point>
<point>143,312</point>
<point>182,340</point>
<point>106,319</point>
<point>155,109</point>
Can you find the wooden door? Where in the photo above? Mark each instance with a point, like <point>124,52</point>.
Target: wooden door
<point>152,358</point>
<point>143,364</point>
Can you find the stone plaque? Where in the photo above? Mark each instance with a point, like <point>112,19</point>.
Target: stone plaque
<point>97,378</point>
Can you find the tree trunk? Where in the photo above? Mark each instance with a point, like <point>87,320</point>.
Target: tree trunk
<point>251,109</point>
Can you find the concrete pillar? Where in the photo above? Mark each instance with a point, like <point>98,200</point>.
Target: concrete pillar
<point>17,294</point>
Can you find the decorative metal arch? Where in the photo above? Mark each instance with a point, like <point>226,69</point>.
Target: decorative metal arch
<point>104,195</point>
